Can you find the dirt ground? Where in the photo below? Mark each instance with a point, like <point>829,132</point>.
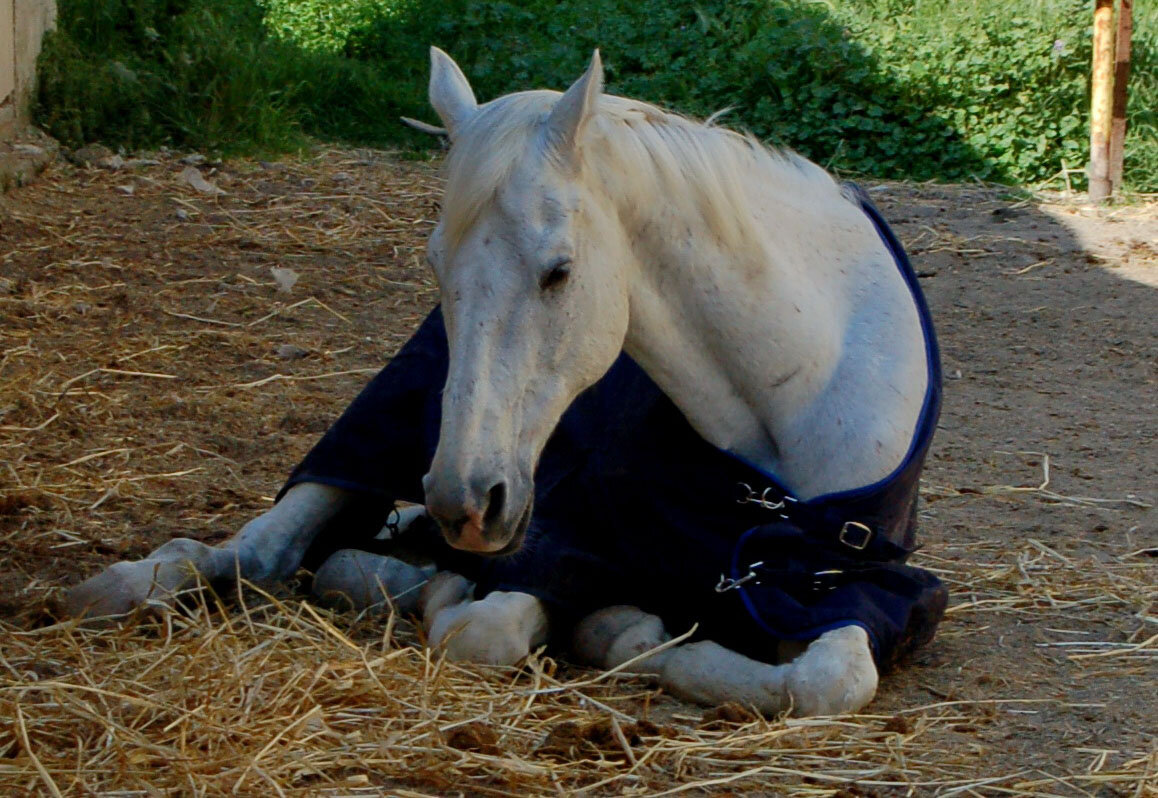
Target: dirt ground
<point>157,380</point>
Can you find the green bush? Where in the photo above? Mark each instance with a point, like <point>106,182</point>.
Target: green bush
<point>321,25</point>
<point>946,89</point>
<point>143,73</point>
<point>1014,84</point>
<point>206,75</point>
<point>789,69</point>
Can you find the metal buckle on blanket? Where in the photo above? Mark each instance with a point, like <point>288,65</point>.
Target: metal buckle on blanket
<point>850,531</point>
<point>762,499</point>
<point>727,583</point>
<point>826,580</point>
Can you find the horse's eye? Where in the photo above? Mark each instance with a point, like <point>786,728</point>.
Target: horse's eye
<point>556,274</point>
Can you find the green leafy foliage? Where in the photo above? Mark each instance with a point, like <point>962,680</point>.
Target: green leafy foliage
<point>1014,85</point>
<point>945,89</point>
<point>203,74</point>
<point>142,72</point>
<point>789,69</point>
<point>321,25</point>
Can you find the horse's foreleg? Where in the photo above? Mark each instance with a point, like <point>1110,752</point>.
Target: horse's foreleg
<point>267,549</point>
<point>834,674</point>
<point>360,579</point>
<point>500,629</point>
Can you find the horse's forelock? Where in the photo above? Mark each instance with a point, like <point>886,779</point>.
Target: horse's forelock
<point>486,152</point>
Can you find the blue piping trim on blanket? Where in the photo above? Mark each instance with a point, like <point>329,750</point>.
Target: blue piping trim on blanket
<point>920,431</point>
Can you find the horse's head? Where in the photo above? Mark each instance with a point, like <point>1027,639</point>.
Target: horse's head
<point>533,293</point>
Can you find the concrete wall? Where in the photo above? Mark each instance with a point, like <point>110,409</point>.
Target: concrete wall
<point>22,26</point>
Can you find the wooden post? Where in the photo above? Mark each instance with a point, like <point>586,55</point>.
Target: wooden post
<point>1101,100</point>
<point>1121,80</point>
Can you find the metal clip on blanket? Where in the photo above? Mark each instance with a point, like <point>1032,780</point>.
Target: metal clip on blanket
<point>727,583</point>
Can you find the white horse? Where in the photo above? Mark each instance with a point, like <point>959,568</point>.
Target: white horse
<point>757,296</point>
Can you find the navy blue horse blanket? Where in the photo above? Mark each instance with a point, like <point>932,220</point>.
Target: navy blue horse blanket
<point>632,506</point>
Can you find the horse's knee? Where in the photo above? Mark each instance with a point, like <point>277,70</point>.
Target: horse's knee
<point>270,547</point>
<point>500,629</point>
<point>361,579</point>
<point>613,635</point>
<point>835,674</point>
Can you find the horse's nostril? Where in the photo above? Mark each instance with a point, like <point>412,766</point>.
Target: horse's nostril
<point>496,498</point>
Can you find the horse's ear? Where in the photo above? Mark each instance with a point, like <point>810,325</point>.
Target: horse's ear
<point>450,93</point>
<point>570,114</point>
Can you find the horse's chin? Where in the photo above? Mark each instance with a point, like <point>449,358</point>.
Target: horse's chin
<point>519,536</point>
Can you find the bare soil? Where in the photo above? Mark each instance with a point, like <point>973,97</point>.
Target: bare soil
<point>156,381</point>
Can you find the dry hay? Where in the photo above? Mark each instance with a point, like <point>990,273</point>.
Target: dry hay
<point>277,696</point>
<point>157,379</point>
<point>149,352</point>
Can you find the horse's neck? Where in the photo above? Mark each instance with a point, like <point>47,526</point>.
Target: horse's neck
<point>801,353</point>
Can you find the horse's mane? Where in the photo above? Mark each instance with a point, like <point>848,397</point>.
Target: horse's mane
<point>637,150</point>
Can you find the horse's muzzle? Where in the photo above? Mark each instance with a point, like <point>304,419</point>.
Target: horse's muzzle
<point>485,522</point>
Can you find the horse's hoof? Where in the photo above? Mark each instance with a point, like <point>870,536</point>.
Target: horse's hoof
<point>836,674</point>
<point>126,586</point>
<point>445,589</point>
<point>153,582</point>
<point>613,635</point>
<point>361,579</point>
<point>500,629</point>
